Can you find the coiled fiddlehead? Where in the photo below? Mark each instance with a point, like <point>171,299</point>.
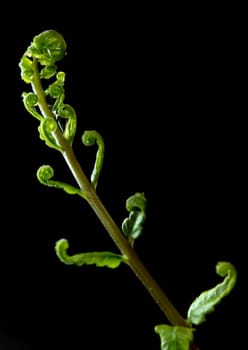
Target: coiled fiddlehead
<point>30,101</point>
<point>62,110</point>
<point>45,174</point>
<point>89,138</point>
<point>48,47</point>
<point>37,63</point>
<point>132,226</point>
<point>58,120</point>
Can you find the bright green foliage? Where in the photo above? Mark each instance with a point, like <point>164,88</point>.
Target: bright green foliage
<point>27,71</point>
<point>100,259</point>
<point>30,101</point>
<point>47,128</point>
<point>58,120</point>
<point>37,63</point>
<point>61,110</point>
<point>132,226</point>
<point>47,48</point>
<point>89,138</point>
<point>45,174</point>
<point>207,300</point>
<point>174,337</point>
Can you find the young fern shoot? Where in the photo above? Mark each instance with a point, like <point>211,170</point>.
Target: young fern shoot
<point>57,128</point>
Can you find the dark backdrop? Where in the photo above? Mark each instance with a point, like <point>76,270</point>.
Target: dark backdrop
<point>165,90</point>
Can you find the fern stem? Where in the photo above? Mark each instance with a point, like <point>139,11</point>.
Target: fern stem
<point>103,215</point>
<point>121,242</point>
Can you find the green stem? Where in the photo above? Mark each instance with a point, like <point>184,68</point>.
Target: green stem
<point>38,90</point>
<point>121,242</point>
<point>96,204</point>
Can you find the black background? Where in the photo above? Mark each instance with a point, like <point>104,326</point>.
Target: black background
<point>165,88</point>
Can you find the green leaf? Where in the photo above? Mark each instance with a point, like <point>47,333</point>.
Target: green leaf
<point>136,202</point>
<point>206,301</point>
<point>39,61</point>
<point>48,71</point>
<point>45,174</point>
<point>46,129</point>
<point>89,138</point>
<point>174,337</point>
<point>132,226</point>
<point>48,47</point>
<point>100,259</point>
<point>61,110</point>
<point>30,101</point>
<point>26,67</point>
<point>67,112</point>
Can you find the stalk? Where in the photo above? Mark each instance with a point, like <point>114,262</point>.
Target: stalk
<point>103,215</point>
<point>106,219</point>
